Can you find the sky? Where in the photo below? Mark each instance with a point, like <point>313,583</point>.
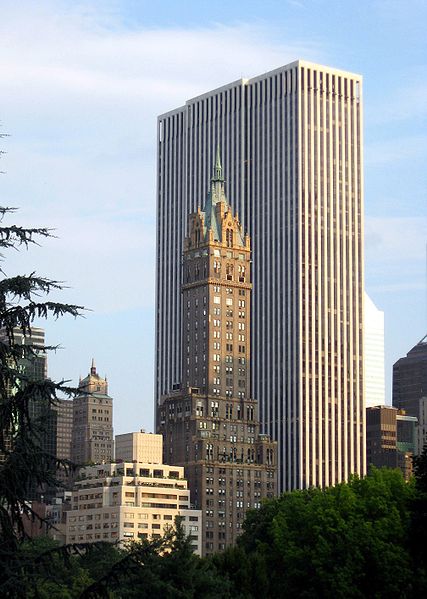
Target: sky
<point>81,86</point>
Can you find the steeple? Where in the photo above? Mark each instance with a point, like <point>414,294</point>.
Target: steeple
<point>93,367</point>
<point>209,222</point>
<point>218,168</point>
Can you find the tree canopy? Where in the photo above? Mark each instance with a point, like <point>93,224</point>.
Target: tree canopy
<point>351,540</point>
<point>25,463</point>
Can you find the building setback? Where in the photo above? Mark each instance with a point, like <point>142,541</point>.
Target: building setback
<point>92,421</point>
<point>291,143</point>
<point>211,425</point>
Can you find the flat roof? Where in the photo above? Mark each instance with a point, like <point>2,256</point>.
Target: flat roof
<point>246,81</point>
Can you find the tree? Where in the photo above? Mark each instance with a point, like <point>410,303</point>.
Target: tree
<point>165,567</point>
<point>24,464</point>
<point>418,537</point>
<point>350,540</point>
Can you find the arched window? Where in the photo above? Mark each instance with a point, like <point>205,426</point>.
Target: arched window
<point>197,237</point>
<point>229,237</point>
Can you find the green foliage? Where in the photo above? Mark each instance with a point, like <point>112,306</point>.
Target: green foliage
<point>165,568</point>
<point>24,463</point>
<point>418,536</point>
<point>350,540</point>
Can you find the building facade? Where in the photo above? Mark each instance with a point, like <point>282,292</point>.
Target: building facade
<point>92,440</point>
<point>211,424</point>
<point>130,501</point>
<point>410,379</point>
<point>64,434</point>
<point>374,354</point>
<point>291,143</point>
<point>141,447</point>
<point>381,437</point>
<point>406,442</point>
<point>33,366</point>
<point>422,425</point>
<point>391,439</point>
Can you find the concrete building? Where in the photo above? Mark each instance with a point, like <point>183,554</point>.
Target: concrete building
<point>410,379</point>
<point>291,143</point>
<point>374,354</point>
<point>211,425</point>
<point>130,501</point>
<point>142,447</point>
<point>92,421</point>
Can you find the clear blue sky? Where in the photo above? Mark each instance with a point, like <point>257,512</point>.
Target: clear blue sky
<point>81,86</point>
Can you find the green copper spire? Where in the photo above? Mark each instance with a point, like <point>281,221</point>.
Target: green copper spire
<point>218,167</point>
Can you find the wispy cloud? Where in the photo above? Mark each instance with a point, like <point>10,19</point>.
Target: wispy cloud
<point>408,101</point>
<point>395,239</point>
<point>81,99</point>
<point>396,150</point>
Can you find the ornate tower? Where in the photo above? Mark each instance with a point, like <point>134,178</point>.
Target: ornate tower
<point>92,437</point>
<point>211,424</point>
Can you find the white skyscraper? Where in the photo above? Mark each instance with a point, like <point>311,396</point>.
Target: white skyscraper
<point>291,147</point>
<point>374,354</point>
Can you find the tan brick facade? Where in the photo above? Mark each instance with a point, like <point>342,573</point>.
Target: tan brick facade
<point>211,424</point>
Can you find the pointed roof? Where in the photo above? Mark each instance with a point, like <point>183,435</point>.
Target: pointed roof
<point>215,196</point>
<point>218,168</point>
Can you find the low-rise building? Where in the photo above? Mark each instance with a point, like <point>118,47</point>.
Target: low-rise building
<point>129,501</point>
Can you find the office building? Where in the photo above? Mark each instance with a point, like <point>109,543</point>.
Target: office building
<point>410,379</point>
<point>391,438</point>
<point>291,144</point>
<point>381,436</point>
<point>406,442</point>
<point>92,440</point>
<point>32,366</point>
<point>64,435</point>
<point>211,425</point>
<point>374,354</point>
<point>129,501</point>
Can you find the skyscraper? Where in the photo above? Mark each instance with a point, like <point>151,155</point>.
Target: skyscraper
<point>374,354</point>
<point>410,379</point>
<point>210,426</point>
<point>291,142</point>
